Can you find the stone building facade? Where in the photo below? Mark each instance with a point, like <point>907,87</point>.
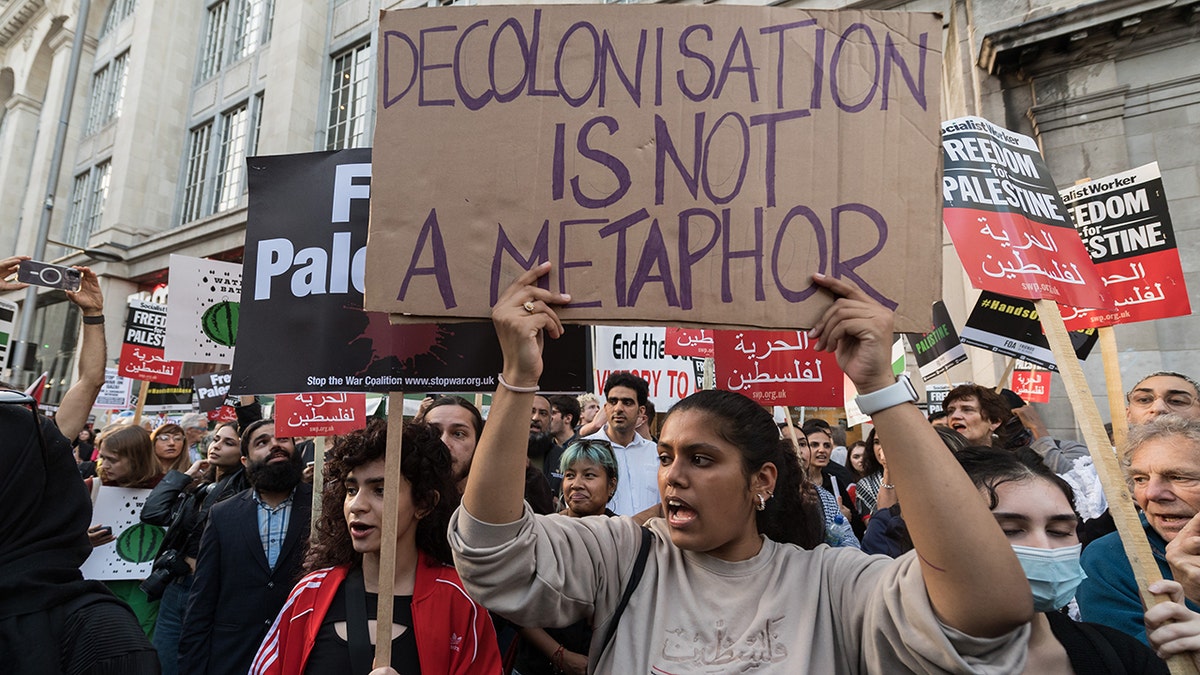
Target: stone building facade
<point>172,95</point>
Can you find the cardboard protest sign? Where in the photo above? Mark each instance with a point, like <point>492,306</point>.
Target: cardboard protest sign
<point>8,315</point>
<point>202,320</point>
<point>211,389</point>
<point>690,342</point>
<point>777,368</point>
<point>1010,326</point>
<point>319,414</point>
<point>161,397</point>
<point>938,350</point>
<point>643,352</point>
<point>1009,226</point>
<point>142,356</point>
<point>306,239</point>
<point>1126,225</point>
<point>678,168</point>
<point>115,391</point>
<point>1031,384</point>
<point>131,556</point>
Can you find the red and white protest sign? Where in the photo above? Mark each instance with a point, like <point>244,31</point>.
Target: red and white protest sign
<point>319,414</point>
<point>225,413</point>
<point>1009,226</point>
<point>776,367</point>
<point>1126,225</point>
<point>1032,385</point>
<point>142,355</point>
<point>690,342</point>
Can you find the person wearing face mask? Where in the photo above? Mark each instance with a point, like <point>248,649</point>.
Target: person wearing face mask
<point>1035,509</point>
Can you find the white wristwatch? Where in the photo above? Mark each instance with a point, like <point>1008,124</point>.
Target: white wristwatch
<point>892,395</point>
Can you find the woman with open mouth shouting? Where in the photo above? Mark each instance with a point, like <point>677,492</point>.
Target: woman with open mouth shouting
<point>709,588</point>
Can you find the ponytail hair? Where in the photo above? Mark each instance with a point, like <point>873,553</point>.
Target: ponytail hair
<point>789,516</point>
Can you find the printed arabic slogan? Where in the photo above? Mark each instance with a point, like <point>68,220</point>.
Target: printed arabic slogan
<point>776,368</point>
<point>690,342</point>
<point>1009,226</point>
<point>319,414</point>
<point>142,355</point>
<point>1031,385</point>
<point>683,168</point>
<point>1126,225</point>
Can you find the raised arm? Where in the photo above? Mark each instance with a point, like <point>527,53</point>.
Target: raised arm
<point>966,562</point>
<point>93,352</point>
<point>496,485</point>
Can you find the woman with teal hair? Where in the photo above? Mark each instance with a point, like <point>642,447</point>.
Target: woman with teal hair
<point>589,471</point>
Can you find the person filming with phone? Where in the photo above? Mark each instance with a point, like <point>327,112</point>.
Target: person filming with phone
<point>84,292</point>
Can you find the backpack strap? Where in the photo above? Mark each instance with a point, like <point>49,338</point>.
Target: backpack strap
<point>635,577</point>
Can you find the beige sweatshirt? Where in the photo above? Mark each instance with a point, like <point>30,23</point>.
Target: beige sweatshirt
<point>785,611</point>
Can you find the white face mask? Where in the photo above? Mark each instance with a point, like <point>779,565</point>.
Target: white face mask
<point>1053,574</point>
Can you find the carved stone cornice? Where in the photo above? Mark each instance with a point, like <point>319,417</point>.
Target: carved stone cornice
<point>1090,32</point>
<point>16,17</point>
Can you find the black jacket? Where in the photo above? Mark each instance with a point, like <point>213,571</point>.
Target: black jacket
<point>235,595</point>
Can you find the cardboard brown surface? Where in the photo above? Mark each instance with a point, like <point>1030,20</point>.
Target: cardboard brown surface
<point>508,135</point>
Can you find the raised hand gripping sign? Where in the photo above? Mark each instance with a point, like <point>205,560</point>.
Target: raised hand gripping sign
<point>678,167</point>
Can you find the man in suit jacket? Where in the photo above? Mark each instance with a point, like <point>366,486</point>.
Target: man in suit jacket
<point>250,558</point>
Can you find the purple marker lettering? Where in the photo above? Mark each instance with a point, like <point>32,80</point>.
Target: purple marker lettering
<point>780,29</point>
<point>689,257</point>
<point>728,255</point>
<point>654,254</point>
<point>471,102</point>
<point>738,44</point>
<point>577,101</point>
<point>522,45</point>
<point>440,269</point>
<point>609,54</point>
<point>564,264</point>
<point>845,268</point>
<point>793,253</point>
<point>771,120</point>
<point>537,256</point>
<point>688,53</point>
<point>389,99</point>
<point>618,227</point>
<point>892,54</point>
<point>664,146</point>
<point>833,69</point>
<point>619,170</point>
<point>426,66</point>
<point>744,132</point>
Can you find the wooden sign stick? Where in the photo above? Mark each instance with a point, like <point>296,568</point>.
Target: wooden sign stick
<point>318,484</point>
<point>1112,378</point>
<point>143,392</point>
<point>387,541</point>
<point>1012,363</point>
<point>1129,527</point>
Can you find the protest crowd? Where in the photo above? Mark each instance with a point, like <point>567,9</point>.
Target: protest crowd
<point>712,538</point>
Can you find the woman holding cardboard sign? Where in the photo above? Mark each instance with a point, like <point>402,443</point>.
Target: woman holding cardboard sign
<point>707,586</point>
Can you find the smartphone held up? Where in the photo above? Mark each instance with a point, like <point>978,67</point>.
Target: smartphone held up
<point>52,276</point>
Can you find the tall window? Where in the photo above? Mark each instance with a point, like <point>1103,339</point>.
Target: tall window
<point>247,28</point>
<point>76,232</point>
<point>108,92</point>
<point>234,30</point>
<point>197,167</point>
<point>118,11</point>
<point>232,162</point>
<point>99,196</point>
<point>214,40</point>
<point>349,99</point>
<point>258,113</point>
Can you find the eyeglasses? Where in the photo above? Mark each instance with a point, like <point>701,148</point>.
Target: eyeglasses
<point>10,397</point>
<point>1175,400</point>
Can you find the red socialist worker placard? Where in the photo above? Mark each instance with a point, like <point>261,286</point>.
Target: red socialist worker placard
<point>142,352</point>
<point>776,367</point>
<point>319,414</point>
<point>1126,225</point>
<point>1009,226</point>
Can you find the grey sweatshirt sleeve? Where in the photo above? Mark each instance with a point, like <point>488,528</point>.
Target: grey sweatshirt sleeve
<point>1058,456</point>
<point>545,570</point>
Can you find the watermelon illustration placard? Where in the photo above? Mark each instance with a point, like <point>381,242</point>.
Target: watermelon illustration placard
<point>202,317</point>
<point>131,556</point>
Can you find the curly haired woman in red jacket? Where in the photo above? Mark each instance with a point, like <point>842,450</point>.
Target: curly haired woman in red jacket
<point>327,623</point>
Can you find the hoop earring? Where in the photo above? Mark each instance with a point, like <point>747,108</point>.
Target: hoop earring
<point>762,503</point>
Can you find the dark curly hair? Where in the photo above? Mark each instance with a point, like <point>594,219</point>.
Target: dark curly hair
<point>791,516</point>
<point>425,464</point>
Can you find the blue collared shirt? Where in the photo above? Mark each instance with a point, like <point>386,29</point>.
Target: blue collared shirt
<point>272,526</point>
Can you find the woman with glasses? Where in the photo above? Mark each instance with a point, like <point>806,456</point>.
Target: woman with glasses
<point>169,447</point>
<point>725,582</point>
